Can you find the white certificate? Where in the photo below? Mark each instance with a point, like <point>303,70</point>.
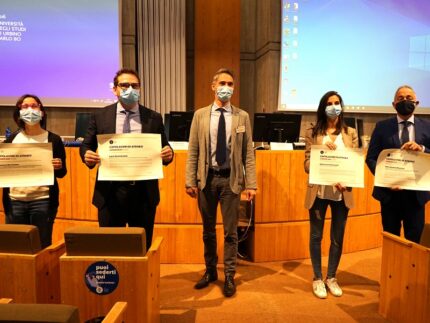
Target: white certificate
<point>406,169</point>
<point>23,165</point>
<point>344,166</point>
<point>130,157</point>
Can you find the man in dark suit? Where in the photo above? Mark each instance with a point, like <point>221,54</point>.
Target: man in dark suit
<point>405,131</point>
<point>132,202</point>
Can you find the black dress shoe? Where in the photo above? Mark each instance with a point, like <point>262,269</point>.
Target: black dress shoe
<point>208,276</point>
<point>229,286</point>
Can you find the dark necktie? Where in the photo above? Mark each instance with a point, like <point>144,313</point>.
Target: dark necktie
<point>126,127</point>
<point>221,144</point>
<point>404,137</point>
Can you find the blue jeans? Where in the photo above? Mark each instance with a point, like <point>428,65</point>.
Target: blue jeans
<point>338,221</point>
<point>37,213</point>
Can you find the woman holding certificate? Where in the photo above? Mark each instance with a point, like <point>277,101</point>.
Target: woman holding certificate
<point>36,205</point>
<point>330,131</point>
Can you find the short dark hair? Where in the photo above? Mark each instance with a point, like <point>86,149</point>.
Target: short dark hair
<point>124,71</point>
<point>222,70</point>
<point>321,127</point>
<point>16,115</point>
<point>404,86</point>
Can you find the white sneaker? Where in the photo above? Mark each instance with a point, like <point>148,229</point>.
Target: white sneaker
<point>319,290</point>
<point>333,287</point>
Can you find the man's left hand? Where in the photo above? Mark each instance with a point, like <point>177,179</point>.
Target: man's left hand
<point>250,193</point>
<point>166,154</point>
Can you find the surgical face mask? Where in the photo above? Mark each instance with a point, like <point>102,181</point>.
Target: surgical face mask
<point>224,93</point>
<point>333,111</point>
<point>30,116</point>
<point>130,96</point>
<point>405,107</point>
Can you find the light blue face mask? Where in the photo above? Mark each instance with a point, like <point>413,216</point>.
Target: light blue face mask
<point>333,111</point>
<point>130,96</point>
<point>30,116</point>
<point>224,93</point>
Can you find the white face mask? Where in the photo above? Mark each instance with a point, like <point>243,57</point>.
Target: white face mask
<point>224,93</point>
<point>30,116</point>
<point>333,111</point>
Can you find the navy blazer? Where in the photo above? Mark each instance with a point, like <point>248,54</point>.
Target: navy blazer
<point>386,136</point>
<point>104,122</point>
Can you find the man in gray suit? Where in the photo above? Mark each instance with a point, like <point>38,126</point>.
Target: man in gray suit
<point>220,165</point>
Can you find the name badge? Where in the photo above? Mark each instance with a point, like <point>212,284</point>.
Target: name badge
<point>240,129</point>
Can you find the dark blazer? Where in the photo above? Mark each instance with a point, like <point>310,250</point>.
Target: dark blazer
<point>386,136</point>
<point>104,122</point>
<point>58,151</point>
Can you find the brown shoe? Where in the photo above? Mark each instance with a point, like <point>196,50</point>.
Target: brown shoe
<point>208,276</point>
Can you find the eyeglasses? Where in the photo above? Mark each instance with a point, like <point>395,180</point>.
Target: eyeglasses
<point>26,106</point>
<point>126,85</point>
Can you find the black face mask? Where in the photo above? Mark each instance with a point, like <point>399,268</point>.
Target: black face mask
<point>405,107</point>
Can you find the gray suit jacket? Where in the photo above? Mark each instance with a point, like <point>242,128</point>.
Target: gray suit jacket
<point>350,139</point>
<point>241,156</point>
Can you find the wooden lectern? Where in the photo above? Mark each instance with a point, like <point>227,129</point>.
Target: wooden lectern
<point>405,280</point>
<point>28,273</point>
<point>138,276</point>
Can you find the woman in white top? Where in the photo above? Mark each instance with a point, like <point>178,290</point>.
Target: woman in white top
<point>36,205</point>
<point>331,131</point>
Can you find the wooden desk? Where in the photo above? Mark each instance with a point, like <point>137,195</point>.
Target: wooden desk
<point>281,228</point>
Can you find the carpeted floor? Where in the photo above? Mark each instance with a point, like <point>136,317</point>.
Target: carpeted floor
<point>274,292</point>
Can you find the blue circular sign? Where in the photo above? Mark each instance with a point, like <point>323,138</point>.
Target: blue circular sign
<point>101,278</point>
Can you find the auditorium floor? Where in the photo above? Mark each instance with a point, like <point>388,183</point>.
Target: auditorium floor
<point>274,292</point>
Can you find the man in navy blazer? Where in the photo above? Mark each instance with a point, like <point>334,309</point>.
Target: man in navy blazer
<point>132,202</point>
<point>405,131</point>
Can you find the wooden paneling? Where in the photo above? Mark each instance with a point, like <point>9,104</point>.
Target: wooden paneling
<point>298,183</point>
<point>184,243</point>
<point>273,169</point>
<point>217,44</point>
<point>175,205</point>
<point>82,187</point>
<point>290,240</point>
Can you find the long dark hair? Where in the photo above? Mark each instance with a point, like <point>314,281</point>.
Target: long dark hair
<point>18,103</point>
<point>321,127</point>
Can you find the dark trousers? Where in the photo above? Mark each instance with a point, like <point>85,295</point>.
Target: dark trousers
<point>339,214</point>
<point>403,207</point>
<point>38,213</point>
<point>218,190</point>
<point>127,205</point>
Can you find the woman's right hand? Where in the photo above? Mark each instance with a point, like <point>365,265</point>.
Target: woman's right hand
<point>331,145</point>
